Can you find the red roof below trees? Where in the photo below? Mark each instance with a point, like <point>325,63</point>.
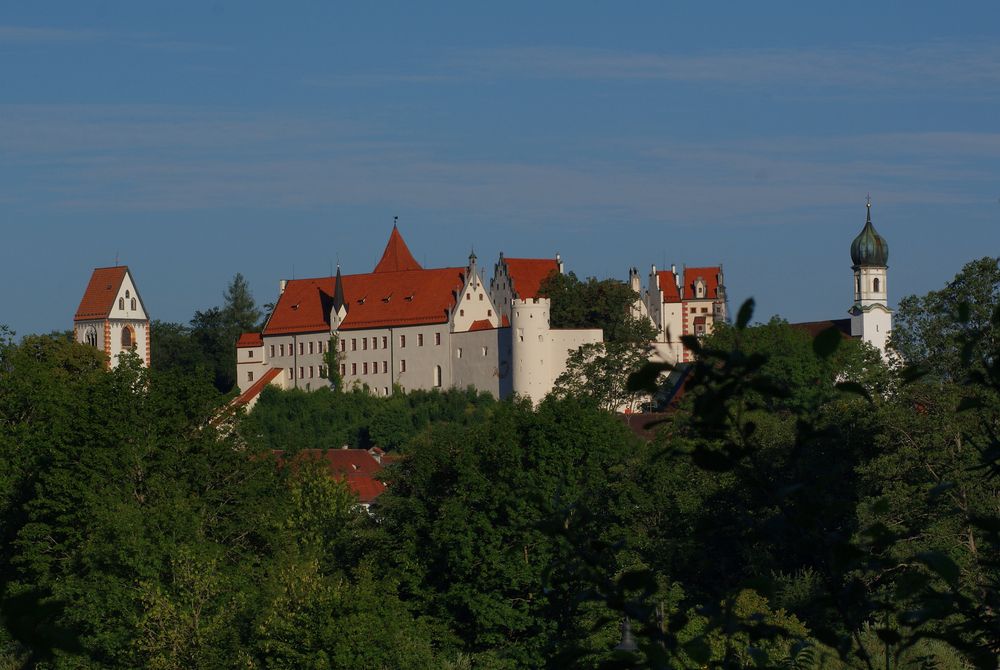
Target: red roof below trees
<point>357,467</point>
<point>99,298</point>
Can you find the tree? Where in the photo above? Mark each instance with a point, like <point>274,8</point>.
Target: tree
<point>239,309</point>
<point>593,303</point>
<point>928,330</point>
<point>598,374</point>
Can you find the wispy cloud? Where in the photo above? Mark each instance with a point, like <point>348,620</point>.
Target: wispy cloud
<point>152,158</point>
<point>27,34</point>
<point>968,68</point>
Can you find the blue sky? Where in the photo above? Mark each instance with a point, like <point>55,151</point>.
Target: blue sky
<point>197,140</point>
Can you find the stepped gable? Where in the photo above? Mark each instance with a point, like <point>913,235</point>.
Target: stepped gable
<point>397,256</point>
<point>527,274</point>
<point>709,275</point>
<point>387,297</point>
<point>99,298</point>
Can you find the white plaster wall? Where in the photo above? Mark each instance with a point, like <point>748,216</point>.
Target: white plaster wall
<point>249,359</point>
<point>474,304</point>
<point>475,367</point>
<point>128,288</point>
<point>532,360</point>
<point>140,329</point>
<point>293,360</point>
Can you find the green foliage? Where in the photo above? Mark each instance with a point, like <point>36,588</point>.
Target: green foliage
<point>604,304</point>
<point>598,374</point>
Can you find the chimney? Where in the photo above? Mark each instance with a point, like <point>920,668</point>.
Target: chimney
<point>282,283</point>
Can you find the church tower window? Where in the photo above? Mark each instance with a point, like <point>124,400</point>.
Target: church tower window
<point>121,303</point>
<point>126,338</point>
<point>91,336</point>
<point>133,304</point>
<point>875,284</point>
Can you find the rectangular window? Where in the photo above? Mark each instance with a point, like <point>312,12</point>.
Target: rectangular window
<point>458,352</point>
<point>402,365</point>
<point>704,310</point>
<point>272,351</point>
<point>364,344</point>
<point>250,353</point>
<point>437,339</point>
<point>694,310</point>
<point>385,367</point>
<point>385,341</point>
<point>291,373</point>
<point>402,341</point>
<point>354,344</point>
<point>420,340</point>
<point>311,345</point>
<point>302,373</point>
<point>343,345</point>
<point>250,375</point>
<point>343,369</point>
<point>302,348</point>
<point>354,369</point>
<point>486,350</point>
<point>374,343</point>
<point>364,368</point>
<point>310,372</point>
<point>281,348</point>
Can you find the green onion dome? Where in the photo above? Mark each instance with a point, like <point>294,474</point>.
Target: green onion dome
<point>869,248</point>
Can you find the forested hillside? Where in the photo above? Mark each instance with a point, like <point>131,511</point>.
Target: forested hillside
<point>806,506</point>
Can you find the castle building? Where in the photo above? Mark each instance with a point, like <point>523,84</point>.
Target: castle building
<point>112,316</point>
<point>682,303</point>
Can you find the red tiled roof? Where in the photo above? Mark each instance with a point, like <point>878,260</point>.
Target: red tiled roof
<point>668,285</point>
<point>481,324</point>
<point>355,466</point>
<point>376,300</point>
<point>250,340</point>
<point>258,386</point>
<point>710,275</point>
<point>397,256</point>
<point>99,298</point>
<point>527,274</point>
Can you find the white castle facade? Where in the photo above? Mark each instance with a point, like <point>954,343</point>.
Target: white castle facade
<point>403,326</point>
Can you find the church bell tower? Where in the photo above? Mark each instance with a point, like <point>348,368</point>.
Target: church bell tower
<point>871,318</point>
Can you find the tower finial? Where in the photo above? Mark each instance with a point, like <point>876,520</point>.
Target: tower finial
<point>868,204</point>
<point>395,220</point>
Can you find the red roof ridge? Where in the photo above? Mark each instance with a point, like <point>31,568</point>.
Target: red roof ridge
<point>256,389</point>
<point>397,255</point>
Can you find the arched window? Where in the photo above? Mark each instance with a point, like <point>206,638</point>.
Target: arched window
<point>127,295</point>
<point>121,303</point>
<point>91,336</point>
<point>875,284</point>
<point>127,338</point>
<point>437,376</point>
<point>133,304</point>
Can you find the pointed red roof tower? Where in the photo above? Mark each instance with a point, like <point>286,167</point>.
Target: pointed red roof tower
<point>396,256</point>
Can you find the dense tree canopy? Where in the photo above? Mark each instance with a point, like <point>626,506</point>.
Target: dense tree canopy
<point>805,506</point>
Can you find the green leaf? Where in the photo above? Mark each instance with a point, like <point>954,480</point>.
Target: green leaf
<point>855,389</point>
<point>745,314</point>
<point>941,565</point>
<point>647,377</point>
<point>827,341</point>
<point>699,650</point>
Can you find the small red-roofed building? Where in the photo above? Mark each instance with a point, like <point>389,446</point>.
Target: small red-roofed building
<point>358,468</point>
<point>112,317</point>
<point>250,363</point>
